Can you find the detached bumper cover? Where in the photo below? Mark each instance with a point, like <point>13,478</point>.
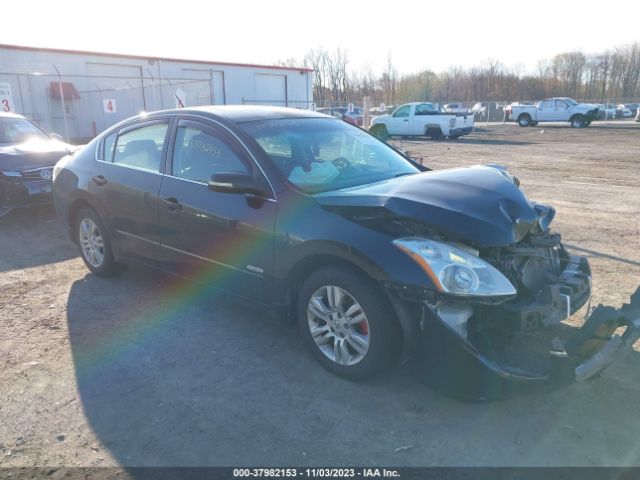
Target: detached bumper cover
<point>457,368</point>
<point>460,131</point>
<point>25,193</point>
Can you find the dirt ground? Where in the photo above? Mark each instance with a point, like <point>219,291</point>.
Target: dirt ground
<point>139,370</point>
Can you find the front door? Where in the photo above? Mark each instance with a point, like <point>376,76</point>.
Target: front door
<point>561,111</point>
<point>220,239</point>
<point>399,121</point>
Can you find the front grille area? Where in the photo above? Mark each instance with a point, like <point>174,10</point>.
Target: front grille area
<point>36,174</point>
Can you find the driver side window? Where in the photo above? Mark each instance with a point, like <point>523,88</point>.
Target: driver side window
<point>403,111</point>
<point>561,104</point>
<point>200,153</point>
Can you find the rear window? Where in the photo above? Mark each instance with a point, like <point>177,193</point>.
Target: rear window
<point>141,148</point>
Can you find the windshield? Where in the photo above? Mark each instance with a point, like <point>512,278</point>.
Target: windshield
<point>321,154</point>
<point>19,130</point>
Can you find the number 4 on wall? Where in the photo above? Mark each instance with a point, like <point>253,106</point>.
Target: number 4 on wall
<point>109,105</point>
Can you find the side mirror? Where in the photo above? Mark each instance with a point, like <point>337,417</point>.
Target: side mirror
<point>236,182</point>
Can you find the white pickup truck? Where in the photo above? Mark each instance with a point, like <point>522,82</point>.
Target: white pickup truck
<point>421,118</point>
<point>560,109</point>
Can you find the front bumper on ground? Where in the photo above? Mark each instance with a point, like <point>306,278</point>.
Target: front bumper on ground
<point>450,363</point>
<point>24,193</point>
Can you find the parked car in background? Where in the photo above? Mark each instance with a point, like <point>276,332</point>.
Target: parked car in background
<point>606,111</point>
<point>422,118</point>
<point>455,108</point>
<point>375,258</point>
<point>479,111</point>
<point>633,107</point>
<point>381,111</point>
<point>558,109</point>
<point>27,157</point>
<point>622,111</point>
<point>356,117</point>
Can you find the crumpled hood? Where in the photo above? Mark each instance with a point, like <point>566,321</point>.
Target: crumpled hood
<point>28,155</point>
<point>478,205</point>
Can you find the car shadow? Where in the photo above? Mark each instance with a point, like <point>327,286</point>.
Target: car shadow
<point>32,237</point>
<point>172,374</point>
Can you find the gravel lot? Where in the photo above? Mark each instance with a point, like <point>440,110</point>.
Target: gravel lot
<point>139,370</point>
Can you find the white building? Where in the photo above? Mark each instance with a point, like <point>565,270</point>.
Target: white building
<point>78,94</point>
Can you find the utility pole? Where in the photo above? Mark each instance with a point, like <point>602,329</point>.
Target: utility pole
<point>64,107</point>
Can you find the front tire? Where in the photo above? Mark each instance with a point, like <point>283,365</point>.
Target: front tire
<point>578,121</point>
<point>524,120</point>
<point>346,323</point>
<point>94,244</point>
<point>380,131</point>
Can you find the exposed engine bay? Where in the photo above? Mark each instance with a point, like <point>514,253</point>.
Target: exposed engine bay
<point>498,284</point>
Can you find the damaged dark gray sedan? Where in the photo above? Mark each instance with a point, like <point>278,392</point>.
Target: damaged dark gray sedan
<point>376,258</point>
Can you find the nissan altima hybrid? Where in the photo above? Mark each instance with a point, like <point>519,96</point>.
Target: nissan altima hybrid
<point>376,258</point>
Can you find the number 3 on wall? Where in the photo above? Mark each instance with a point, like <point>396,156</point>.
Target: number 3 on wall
<point>5,105</point>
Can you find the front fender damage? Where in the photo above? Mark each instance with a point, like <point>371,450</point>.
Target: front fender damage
<point>450,363</point>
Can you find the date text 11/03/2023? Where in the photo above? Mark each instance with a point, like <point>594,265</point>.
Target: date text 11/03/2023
<point>315,473</point>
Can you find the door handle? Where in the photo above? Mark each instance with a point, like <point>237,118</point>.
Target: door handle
<point>172,204</point>
<point>405,120</point>
<point>99,180</point>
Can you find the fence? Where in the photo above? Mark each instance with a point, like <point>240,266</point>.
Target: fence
<point>80,106</point>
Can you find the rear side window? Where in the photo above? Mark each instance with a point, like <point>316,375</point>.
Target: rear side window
<point>141,147</point>
<point>200,153</point>
<point>547,104</point>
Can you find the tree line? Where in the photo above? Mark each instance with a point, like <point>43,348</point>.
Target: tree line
<point>613,74</point>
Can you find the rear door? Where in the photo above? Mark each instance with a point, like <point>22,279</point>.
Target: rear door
<point>126,185</point>
<point>398,124</point>
<point>221,239</point>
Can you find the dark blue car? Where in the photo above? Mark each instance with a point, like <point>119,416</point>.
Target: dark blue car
<point>27,157</point>
<point>376,258</point>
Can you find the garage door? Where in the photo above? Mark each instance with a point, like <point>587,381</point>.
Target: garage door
<point>270,89</point>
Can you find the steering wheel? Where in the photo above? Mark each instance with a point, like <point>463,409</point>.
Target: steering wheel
<point>341,163</point>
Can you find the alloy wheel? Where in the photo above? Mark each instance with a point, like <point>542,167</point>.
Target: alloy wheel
<point>91,242</point>
<point>338,325</point>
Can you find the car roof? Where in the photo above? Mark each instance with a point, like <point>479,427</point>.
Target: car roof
<point>246,113</point>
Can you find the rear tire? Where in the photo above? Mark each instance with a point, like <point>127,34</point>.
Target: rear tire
<point>533,124</point>
<point>346,322</point>
<point>94,244</point>
<point>524,120</point>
